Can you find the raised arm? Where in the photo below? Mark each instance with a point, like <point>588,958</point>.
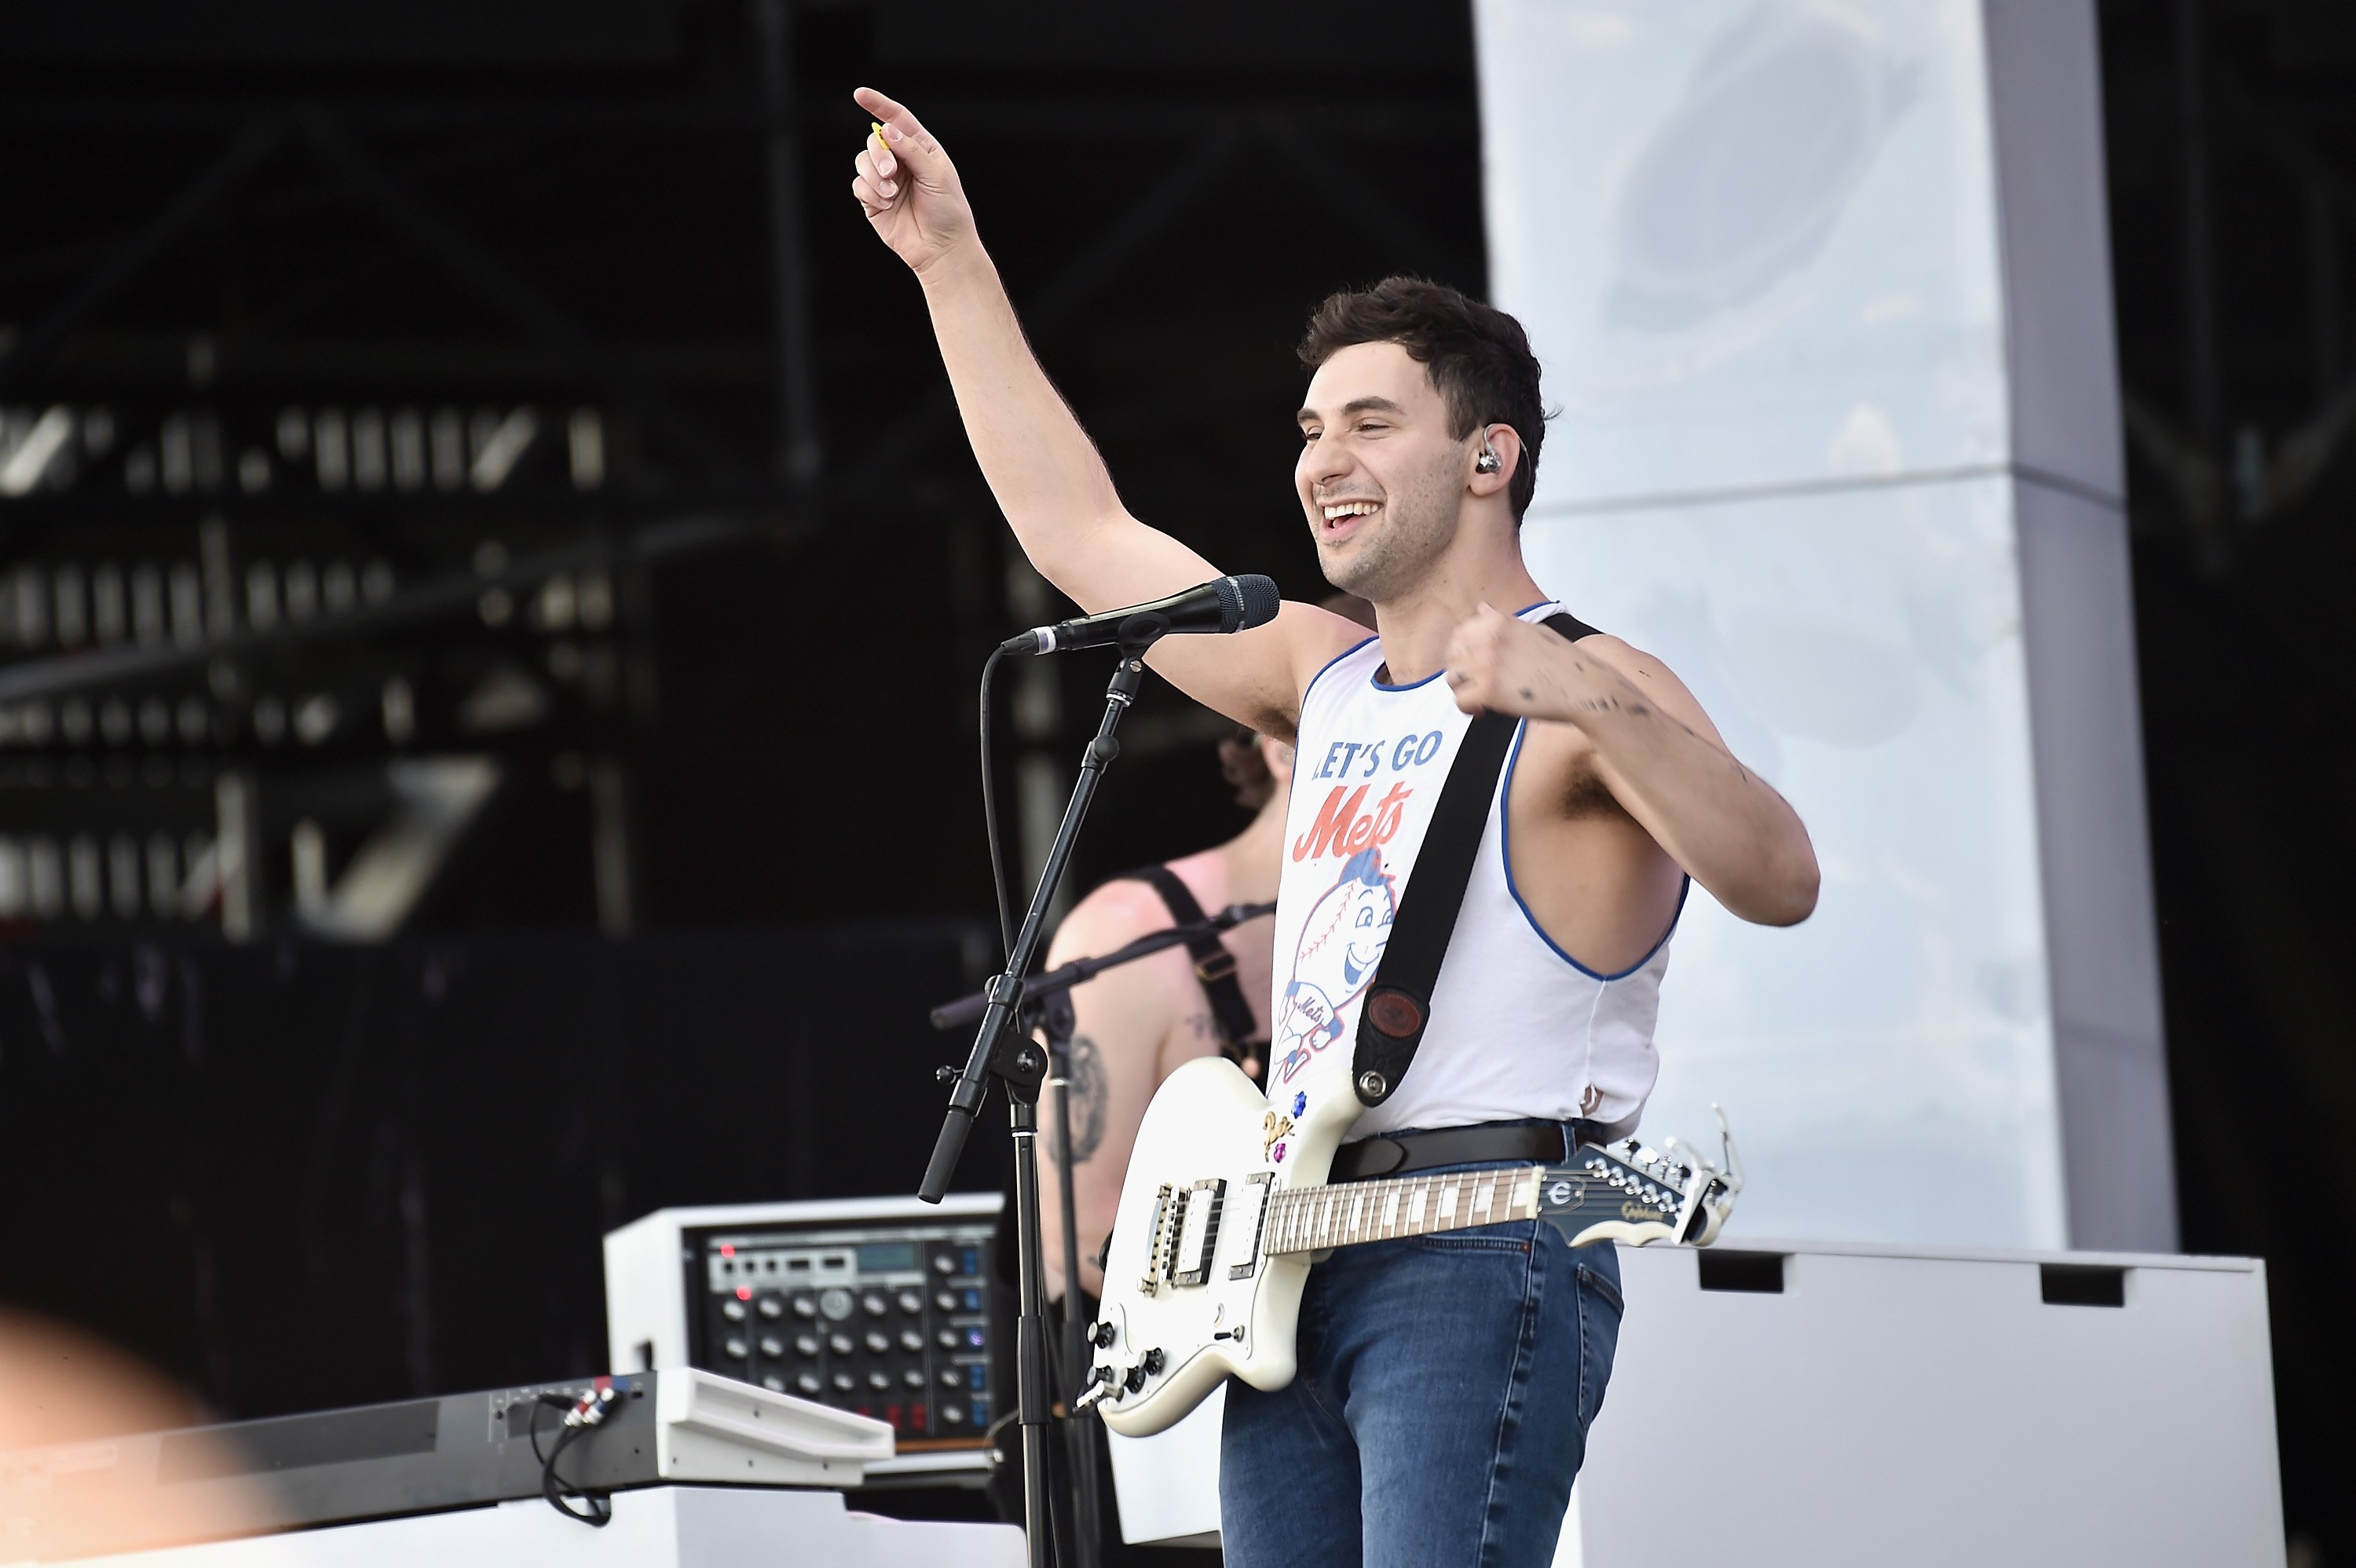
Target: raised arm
<point>1044,471</point>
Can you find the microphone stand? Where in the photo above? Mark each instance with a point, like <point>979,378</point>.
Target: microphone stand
<point>1050,997</point>
<point>1003,1052</point>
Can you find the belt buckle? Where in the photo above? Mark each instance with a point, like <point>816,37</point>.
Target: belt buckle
<point>1215,967</point>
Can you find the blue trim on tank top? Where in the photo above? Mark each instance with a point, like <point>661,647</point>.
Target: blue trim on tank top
<point>1435,675</point>
<point>1506,853</point>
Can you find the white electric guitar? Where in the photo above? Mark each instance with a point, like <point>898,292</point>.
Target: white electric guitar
<point>1226,1204</point>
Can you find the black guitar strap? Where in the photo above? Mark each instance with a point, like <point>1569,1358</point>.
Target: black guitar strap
<point>1213,965</point>
<point>1398,1002</point>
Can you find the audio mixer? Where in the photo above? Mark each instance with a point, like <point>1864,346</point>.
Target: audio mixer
<point>878,1307</point>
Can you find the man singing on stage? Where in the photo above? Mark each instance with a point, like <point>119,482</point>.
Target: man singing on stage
<point>1446,1382</point>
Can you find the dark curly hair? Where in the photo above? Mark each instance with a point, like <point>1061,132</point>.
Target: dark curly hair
<point>1478,358</point>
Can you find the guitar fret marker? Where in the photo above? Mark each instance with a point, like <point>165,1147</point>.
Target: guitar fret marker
<point>1390,1208</point>
<point>1447,1203</point>
<point>1482,1195</point>
<point>1415,1208</point>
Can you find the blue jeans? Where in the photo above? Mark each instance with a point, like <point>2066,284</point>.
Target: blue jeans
<point>1440,1412</point>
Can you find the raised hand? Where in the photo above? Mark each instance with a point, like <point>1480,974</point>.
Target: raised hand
<point>909,189</point>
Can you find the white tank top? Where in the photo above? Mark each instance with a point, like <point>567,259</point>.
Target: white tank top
<point>1519,1027</point>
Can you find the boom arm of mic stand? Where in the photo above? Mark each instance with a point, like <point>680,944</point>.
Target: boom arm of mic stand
<point>1080,971</point>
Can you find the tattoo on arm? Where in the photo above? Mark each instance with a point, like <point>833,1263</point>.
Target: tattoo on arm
<point>1086,1102</point>
<point>1199,1023</point>
<point>1635,708</point>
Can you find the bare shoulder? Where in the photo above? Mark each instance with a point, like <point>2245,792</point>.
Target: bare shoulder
<point>1257,677</point>
<point>1319,636</point>
<point>1116,914</point>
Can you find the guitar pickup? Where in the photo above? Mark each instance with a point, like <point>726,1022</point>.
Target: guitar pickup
<point>1257,1188</point>
<point>1198,1232</point>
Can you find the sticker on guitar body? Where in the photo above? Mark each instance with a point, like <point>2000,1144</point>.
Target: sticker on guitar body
<point>1341,943</point>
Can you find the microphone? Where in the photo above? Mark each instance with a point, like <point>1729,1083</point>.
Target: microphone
<point>1229,604</point>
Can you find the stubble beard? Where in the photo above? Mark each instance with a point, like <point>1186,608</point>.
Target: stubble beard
<point>1415,528</point>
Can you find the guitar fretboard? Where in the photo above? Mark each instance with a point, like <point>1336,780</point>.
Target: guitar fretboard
<point>1310,1218</point>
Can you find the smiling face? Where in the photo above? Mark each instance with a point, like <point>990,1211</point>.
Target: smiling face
<point>1380,477</point>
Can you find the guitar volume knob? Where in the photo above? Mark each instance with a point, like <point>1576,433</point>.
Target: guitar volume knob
<point>1101,1334</point>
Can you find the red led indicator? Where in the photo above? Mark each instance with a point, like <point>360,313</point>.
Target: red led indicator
<point>727,1249</point>
<point>744,1293</point>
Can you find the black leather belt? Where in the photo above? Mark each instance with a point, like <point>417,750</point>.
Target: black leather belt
<point>1407,1153</point>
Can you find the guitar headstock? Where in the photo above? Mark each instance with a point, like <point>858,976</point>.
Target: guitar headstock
<point>1629,1192</point>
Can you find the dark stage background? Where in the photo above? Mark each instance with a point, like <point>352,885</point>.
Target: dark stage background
<point>517,383</point>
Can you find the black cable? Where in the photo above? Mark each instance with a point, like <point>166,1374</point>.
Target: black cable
<point>990,817</point>
<point>554,1488</point>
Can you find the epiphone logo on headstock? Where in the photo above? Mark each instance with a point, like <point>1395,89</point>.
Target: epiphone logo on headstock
<point>1560,1194</point>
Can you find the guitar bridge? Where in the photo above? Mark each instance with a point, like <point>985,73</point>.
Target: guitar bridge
<point>1161,1234</point>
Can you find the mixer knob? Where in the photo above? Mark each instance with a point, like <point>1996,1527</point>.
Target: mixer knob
<point>911,1302</point>
<point>911,1341</point>
<point>943,1263</point>
<point>808,1383</point>
<point>774,1384</point>
<point>839,1344</point>
<point>947,1339</point>
<point>805,1307</point>
<point>836,1304</point>
<point>875,1304</point>
<point>913,1377</point>
<point>770,1307</point>
<point>877,1343</point>
<point>806,1344</point>
<point>733,1310</point>
<point>951,1378</point>
<point>771,1346</point>
<point>945,1300</point>
<point>843,1382</point>
<point>735,1348</point>
<point>879,1381</point>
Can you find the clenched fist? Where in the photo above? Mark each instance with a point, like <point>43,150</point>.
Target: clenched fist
<point>1497,662</point>
<point>909,189</point>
